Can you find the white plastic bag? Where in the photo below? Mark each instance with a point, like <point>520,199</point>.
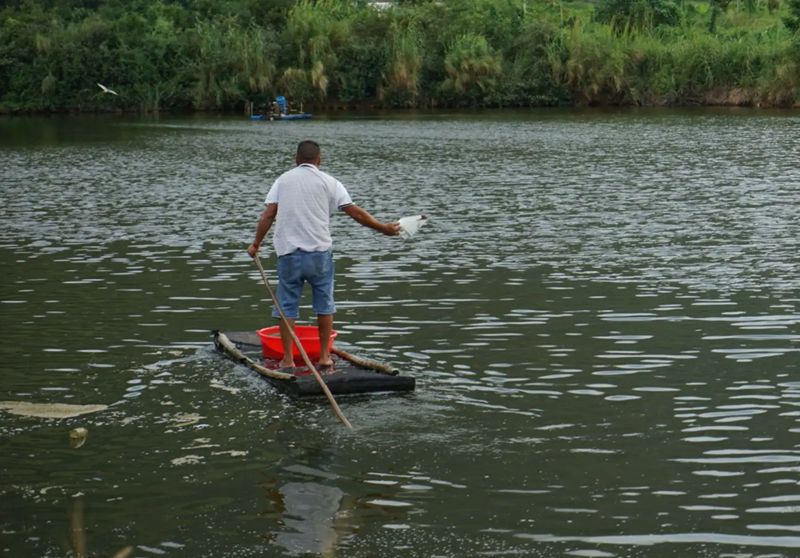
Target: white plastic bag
<point>410,225</point>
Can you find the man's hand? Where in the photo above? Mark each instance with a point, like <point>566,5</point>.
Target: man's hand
<point>391,229</point>
<point>252,250</point>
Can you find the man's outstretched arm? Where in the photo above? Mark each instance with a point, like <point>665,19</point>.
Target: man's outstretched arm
<point>363,217</point>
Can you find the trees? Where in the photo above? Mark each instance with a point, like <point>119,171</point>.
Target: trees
<point>533,62</point>
<point>209,55</point>
<point>233,63</point>
<point>317,31</point>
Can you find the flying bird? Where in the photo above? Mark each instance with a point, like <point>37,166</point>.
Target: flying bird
<point>106,89</point>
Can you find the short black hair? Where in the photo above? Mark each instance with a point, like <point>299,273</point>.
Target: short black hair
<point>307,151</point>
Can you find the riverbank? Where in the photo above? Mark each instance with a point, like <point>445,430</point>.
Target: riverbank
<point>174,57</point>
<point>734,98</point>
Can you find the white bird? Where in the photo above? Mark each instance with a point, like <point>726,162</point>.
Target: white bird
<point>106,89</point>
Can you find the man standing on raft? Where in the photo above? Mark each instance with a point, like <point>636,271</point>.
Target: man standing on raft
<point>305,199</point>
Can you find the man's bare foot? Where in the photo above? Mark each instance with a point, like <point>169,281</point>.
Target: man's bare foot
<point>325,364</point>
<point>285,364</point>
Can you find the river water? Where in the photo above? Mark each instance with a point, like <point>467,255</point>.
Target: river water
<point>603,318</point>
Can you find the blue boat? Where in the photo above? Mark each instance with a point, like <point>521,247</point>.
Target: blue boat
<point>296,116</point>
<point>280,111</point>
<point>293,116</point>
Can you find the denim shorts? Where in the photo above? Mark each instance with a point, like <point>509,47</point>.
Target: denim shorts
<point>297,268</point>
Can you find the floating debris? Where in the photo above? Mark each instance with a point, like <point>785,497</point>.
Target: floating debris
<point>232,453</point>
<point>384,503</point>
<point>77,437</point>
<point>186,419</point>
<point>49,410</point>
<point>124,552</point>
<point>187,460</point>
<point>223,387</point>
<point>201,443</point>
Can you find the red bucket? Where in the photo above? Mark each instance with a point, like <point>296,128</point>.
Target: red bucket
<point>271,346</point>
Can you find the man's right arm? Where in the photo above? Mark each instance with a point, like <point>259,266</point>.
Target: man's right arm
<point>363,217</point>
<point>264,224</point>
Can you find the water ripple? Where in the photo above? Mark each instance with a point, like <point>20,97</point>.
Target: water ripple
<point>602,317</point>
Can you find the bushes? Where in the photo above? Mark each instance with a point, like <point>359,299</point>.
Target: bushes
<point>472,68</point>
<point>532,65</point>
<point>400,81</point>
<point>792,21</point>
<point>595,67</point>
<point>637,14</point>
<point>171,54</point>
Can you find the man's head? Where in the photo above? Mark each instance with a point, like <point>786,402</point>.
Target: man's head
<point>308,152</point>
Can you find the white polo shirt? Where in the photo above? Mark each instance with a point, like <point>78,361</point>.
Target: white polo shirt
<point>307,198</point>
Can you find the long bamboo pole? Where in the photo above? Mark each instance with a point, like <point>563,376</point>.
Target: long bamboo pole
<point>303,353</point>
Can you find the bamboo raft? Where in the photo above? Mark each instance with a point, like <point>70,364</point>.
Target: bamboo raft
<point>349,374</point>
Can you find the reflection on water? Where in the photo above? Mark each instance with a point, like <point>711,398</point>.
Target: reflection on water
<point>602,316</point>
<point>309,512</point>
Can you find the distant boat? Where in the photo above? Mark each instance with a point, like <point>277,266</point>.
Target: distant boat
<point>293,116</point>
<point>280,111</point>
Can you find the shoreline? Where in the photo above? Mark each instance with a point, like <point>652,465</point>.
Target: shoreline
<point>734,98</point>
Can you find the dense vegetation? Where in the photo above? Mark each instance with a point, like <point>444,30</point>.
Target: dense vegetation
<point>213,55</point>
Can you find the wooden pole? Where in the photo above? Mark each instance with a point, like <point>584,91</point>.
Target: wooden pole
<point>366,362</point>
<point>234,351</point>
<point>303,353</point>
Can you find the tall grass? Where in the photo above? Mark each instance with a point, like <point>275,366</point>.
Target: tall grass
<point>208,55</point>
<point>401,78</point>
<point>472,67</point>
<point>686,65</point>
<point>594,67</point>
